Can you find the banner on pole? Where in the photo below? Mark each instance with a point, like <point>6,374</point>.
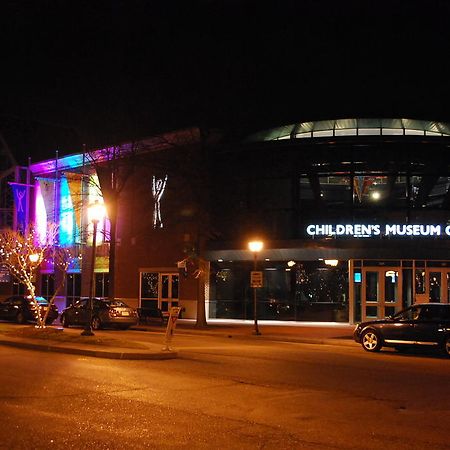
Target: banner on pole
<point>20,193</point>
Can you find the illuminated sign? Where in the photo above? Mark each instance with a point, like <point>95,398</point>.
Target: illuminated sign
<point>364,230</point>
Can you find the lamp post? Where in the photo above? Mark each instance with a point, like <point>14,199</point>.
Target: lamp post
<point>255,247</point>
<point>96,212</point>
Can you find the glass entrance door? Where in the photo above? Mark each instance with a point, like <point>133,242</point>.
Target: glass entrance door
<point>381,292</point>
<point>159,290</point>
<point>169,291</point>
<point>432,285</point>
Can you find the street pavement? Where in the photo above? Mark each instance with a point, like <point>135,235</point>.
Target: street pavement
<point>157,347</point>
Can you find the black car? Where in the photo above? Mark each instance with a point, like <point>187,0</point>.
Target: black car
<point>423,325</point>
<point>21,309</point>
<point>105,313</point>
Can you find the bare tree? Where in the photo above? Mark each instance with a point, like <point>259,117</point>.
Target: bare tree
<point>114,167</point>
<point>186,160</point>
<point>23,254</point>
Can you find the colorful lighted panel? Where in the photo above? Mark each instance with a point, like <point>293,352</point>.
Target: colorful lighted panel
<point>67,217</point>
<point>95,195</point>
<point>67,224</point>
<point>41,215</point>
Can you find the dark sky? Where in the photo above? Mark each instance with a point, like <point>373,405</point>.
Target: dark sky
<point>115,69</point>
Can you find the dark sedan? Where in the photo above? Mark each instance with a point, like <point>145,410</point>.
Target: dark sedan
<point>105,313</point>
<point>21,309</point>
<point>420,325</point>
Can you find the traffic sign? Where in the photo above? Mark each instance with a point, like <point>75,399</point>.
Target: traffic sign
<point>256,279</point>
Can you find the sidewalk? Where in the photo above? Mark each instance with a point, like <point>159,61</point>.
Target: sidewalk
<point>108,347</point>
<point>328,333</point>
<point>69,340</point>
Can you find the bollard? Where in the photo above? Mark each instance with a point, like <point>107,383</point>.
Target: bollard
<point>171,323</point>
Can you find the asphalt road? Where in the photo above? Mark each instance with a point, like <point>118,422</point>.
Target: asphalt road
<point>226,393</point>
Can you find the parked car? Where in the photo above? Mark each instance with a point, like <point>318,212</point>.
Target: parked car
<point>105,313</point>
<point>420,325</point>
<point>21,309</point>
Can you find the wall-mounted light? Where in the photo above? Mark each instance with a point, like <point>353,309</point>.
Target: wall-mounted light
<point>291,263</point>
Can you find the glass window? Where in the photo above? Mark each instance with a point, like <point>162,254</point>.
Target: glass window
<point>420,281</point>
<point>102,284</point>
<point>448,287</point>
<point>345,132</point>
<point>392,131</point>
<point>165,286</point>
<point>73,283</point>
<point>414,132</point>
<point>19,288</point>
<point>408,314</point>
<point>373,190</point>
<point>369,131</point>
<point>335,190</point>
<point>435,286</point>
<point>390,286</point>
<point>430,313</point>
<point>174,286</point>
<point>48,285</point>
<point>149,285</point>
<point>389,311</point>
<point>372,286</point>
<point>324,133</point>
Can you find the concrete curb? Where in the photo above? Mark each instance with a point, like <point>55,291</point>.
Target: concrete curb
<point>348,342</point>
<point>96,353</point>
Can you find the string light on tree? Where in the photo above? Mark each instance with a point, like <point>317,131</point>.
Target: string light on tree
<point>23,256</point>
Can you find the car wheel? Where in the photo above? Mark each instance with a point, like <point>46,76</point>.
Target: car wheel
<point>64,322</point>
<point>20,318</point>
<point>371,341</point>
<point>96,324</point>
<point>447,345</point>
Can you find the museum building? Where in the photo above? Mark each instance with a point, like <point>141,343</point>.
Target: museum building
<point>353,215</point>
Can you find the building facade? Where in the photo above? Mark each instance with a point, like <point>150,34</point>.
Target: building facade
<point>354,216</point>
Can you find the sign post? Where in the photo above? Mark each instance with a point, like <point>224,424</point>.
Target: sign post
<point>256,279</point>
<point>171,323</point>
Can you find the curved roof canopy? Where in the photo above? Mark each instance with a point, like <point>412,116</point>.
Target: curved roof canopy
<point>353,127</point>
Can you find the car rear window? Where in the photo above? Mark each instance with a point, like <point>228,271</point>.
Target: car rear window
<point>40,300</point>
<point>118,304</point>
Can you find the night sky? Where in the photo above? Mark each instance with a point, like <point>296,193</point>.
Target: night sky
<point>114,70</point>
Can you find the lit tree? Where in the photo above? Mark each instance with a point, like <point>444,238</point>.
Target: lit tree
<point>23,254</point>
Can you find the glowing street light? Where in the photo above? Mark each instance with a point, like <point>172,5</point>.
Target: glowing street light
<point>96,213</point>
<point>255,247</point>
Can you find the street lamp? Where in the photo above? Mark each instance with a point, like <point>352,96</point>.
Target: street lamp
<point>255,247</point>
<point>96,212</point>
